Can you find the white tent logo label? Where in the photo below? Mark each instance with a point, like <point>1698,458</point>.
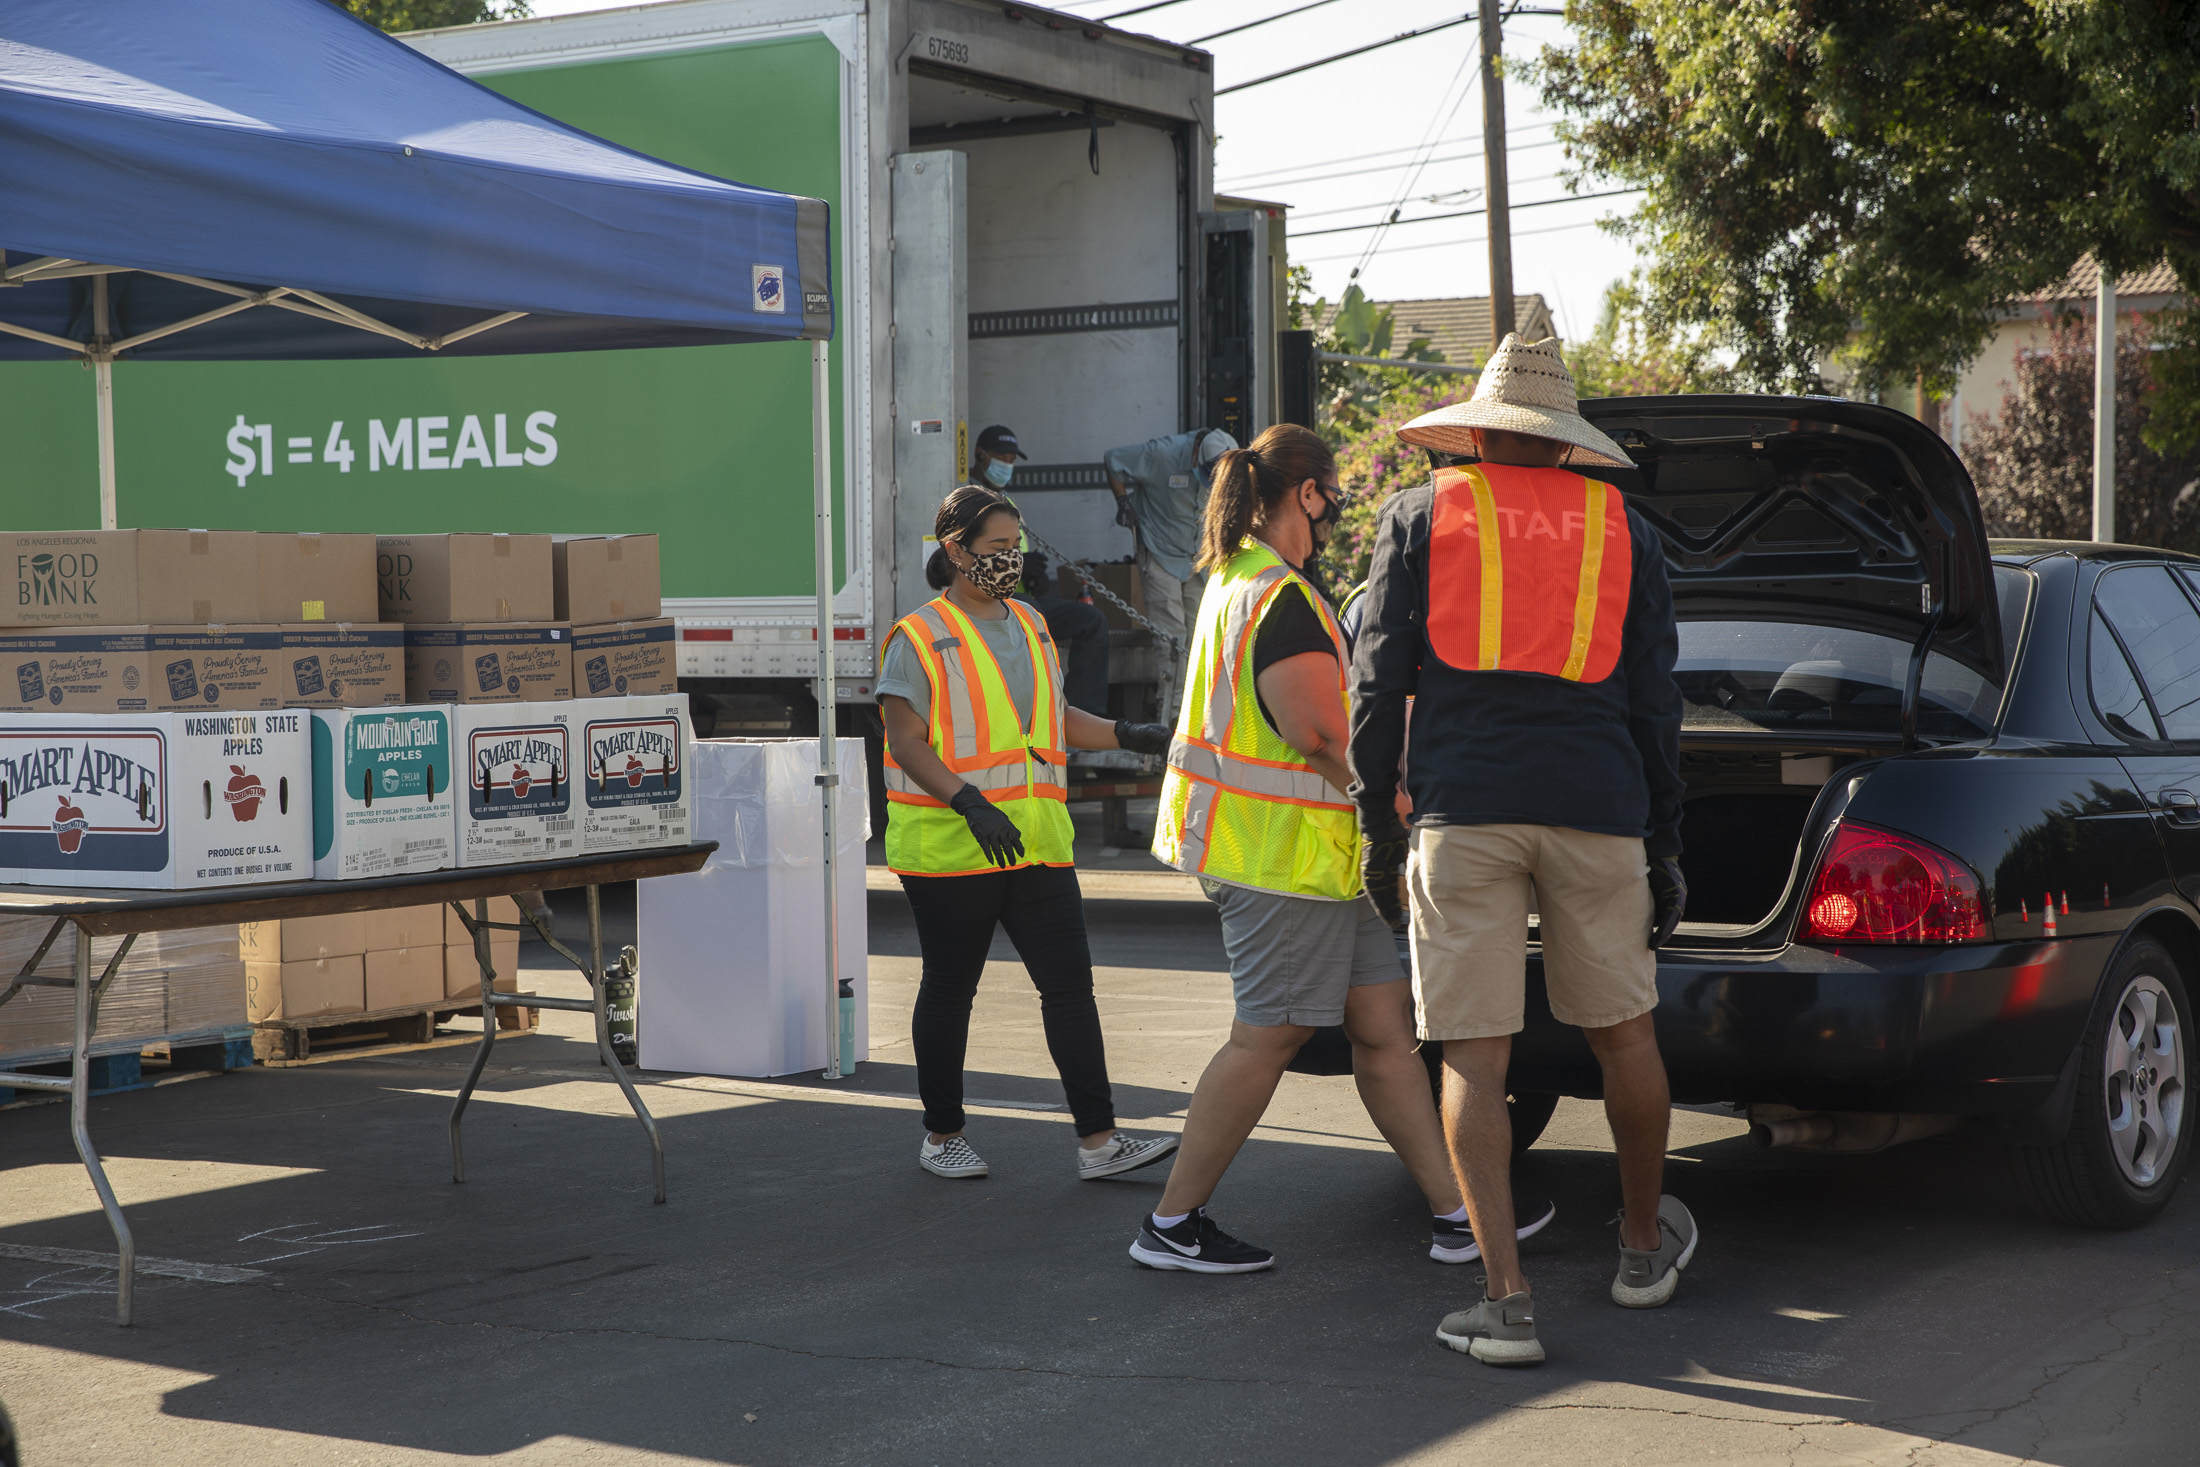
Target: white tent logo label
<point>770,283</point>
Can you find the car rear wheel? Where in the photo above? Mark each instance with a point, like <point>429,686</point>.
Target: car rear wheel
<point>2130,1127</point>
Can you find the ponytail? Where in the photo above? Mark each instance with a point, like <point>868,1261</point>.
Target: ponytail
<point>962,514</point>
<point>1249,482</point>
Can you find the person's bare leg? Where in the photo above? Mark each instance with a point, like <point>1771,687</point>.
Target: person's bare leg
<point>1228,1102</point>
<point>1478,1131</point>
<point>1639,1109</point>
<point>1393,1084</point>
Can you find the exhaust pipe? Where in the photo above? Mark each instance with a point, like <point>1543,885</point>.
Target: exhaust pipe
<point>1777,1126</point>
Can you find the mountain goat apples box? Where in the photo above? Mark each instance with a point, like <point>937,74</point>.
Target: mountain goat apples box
<point>634,772</point>
<point>155,800</point>
<point>516,800</point>
<point>384,800</point>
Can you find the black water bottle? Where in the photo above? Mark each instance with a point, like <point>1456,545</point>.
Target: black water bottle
<point>619,999</point>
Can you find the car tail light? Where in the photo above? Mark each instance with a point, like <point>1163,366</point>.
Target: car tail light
<point>1876,886</point>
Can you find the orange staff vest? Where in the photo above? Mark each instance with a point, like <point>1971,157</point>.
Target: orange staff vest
<point>1547,591</point>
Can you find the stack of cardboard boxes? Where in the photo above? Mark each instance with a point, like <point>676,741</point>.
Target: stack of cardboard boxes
<point>189,708</point>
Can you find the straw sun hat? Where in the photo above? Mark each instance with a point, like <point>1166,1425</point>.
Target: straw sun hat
<point>1524,388</point>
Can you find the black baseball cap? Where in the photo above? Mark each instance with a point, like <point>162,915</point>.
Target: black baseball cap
<point>999,442</point>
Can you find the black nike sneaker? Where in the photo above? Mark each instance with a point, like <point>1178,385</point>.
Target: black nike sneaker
<point>1196,1245</point>
<point>1453,1242</point>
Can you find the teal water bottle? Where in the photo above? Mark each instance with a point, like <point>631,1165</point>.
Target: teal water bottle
<point>847,1025</point>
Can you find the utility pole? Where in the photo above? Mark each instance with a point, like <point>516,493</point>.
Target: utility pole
<point>2104,404</point>
<point>1493,164</point>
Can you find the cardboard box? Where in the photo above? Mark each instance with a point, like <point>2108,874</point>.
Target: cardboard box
<point>404,977</point>
<point>301,939</point>
<point>310,578</point>
<point>1120,577</point>
<point>344,664</point>
<point>75,670</point>
<point>156,801</point>
<point>489,662</point>
<point>383,802</point>
<point>447,578</point>
<point>518,800</point>
<point>220,667</point>
<point>305,990</point>
<point>634,791</point>
<point>605,578</point>
<point>122,577</point>
<point>501,909</point>
<point>395,927</point>
<point>462,970</point>
<point>615,659</point>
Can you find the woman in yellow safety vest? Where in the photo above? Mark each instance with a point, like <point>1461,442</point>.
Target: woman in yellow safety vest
<point>978,829</point>
<point>1254,804</point>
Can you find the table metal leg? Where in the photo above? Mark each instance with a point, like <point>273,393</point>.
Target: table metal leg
<point>80,1080</point>
<point>488,1036</point>
<point>603,1040</point>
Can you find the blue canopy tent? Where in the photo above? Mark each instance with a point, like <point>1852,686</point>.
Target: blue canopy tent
<point>274,179</point>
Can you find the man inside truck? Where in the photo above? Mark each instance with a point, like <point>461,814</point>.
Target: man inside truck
<point>1524,609</point>
<point>1079,628</point>
<point>1160,489</point>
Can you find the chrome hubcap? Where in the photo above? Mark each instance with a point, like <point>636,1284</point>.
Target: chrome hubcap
<point>2143,1080</point>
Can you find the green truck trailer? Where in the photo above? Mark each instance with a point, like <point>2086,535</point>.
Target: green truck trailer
<point>1024,231</point>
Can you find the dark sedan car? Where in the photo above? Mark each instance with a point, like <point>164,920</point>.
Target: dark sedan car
<point>1943,808</point>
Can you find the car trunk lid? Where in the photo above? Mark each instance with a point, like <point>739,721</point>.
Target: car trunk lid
<point>1811,509</point>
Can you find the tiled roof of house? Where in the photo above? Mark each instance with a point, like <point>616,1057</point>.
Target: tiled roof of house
<point>1459,326</point>
<point>2085,278</point>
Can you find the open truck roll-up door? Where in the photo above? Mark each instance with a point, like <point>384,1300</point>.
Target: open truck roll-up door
<point>931,356</point>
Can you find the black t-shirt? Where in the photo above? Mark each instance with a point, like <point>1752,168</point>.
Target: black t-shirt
<point>1290,628</point>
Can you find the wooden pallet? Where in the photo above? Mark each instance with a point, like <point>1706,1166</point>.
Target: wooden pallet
<point>279,1042</point>
<point>163,1063</point>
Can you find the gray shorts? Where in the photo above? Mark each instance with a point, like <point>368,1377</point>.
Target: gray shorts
<point>1292,958</point>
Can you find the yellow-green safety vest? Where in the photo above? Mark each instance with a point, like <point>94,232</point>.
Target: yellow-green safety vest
<point>977,734</point>
<point>1238,803</point>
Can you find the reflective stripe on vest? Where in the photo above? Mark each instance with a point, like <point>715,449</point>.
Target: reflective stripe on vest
<point>1548,591</point>
<point>973,727</point>
<point>1238,803</point>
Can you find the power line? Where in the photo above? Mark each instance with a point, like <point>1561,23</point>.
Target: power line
<point>1450,244</point>
<point>1236,186</point>
<point>1233,30</point>
<point>1427,30</point>
<point>1436,124</point>
<point>1139,9</point>
<point>1464,213</point>
<point>1297,214</point>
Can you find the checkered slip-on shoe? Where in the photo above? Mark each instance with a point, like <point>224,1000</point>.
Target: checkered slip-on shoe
<point>1121,1153</point>
<point>951,1158</point>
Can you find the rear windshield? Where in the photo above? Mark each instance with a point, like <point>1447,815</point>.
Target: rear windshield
<point>1755,675</point>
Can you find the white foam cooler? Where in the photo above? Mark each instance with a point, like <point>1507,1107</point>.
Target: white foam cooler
<point>634,789</point>
<point>155,800</point>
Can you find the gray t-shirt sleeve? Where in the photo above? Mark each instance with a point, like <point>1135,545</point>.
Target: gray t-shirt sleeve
<point>903,675</point>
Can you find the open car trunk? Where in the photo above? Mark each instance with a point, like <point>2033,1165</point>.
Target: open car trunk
<point>1746,829</point>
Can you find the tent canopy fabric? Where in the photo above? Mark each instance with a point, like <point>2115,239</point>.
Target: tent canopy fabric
<point>238,148</point>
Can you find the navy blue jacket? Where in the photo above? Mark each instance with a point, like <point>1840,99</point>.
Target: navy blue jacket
<point>1514,748</point>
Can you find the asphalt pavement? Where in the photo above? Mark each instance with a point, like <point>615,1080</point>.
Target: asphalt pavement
<point>809,1296</point>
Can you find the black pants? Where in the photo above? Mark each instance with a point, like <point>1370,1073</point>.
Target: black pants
<point>1081,631</point>
<point>1044,914</point>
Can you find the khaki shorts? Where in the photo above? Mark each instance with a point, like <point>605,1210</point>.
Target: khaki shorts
<point>1471,887</point>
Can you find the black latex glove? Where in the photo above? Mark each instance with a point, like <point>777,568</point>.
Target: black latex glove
<point>997,835</point>
<point>1125,514</point>
<point>1382,861</point>
<point>1142,738</point>
<point>1668,898</point>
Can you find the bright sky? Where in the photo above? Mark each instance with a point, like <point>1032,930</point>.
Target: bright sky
<point>1346,143</point>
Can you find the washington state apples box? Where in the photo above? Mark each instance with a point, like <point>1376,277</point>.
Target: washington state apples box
<point>619,659</point>
<point>517,800</point>
<point>634,791</point>
<point>384,801</point>
<point>155,800</point>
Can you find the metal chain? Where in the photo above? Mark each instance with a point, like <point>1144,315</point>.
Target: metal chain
<point>1078,567</point>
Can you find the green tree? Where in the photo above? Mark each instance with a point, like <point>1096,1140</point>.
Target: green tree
<point>428,15</point>
<point>1625,356</point>
<point>1866,182</point>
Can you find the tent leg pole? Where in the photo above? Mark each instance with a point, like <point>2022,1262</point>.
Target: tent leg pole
<point>103,396</point>
<point>837,1064</point>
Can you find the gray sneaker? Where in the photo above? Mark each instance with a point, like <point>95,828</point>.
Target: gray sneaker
<point>1647,1279</point>
<point>1495,1331</point>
